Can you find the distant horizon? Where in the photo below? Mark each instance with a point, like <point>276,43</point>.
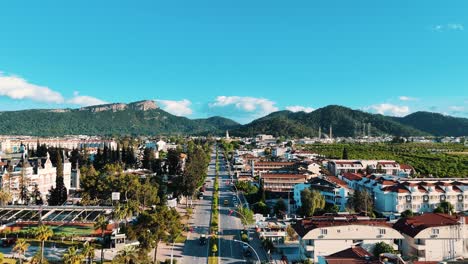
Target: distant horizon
<point>240,60</point>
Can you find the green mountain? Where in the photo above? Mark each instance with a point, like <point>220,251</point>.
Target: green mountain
<point>345,122</point>
<point>139,118</point>
<point>436,124</point>
<point>146,118</point>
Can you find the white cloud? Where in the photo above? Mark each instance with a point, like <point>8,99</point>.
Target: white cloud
<point>299,108</point>
<point>18,88</point>
<point>179,108</point>
<point>407,98</point>
<point>448,27</point>
<point>388,109</point>
<point>248,104</point>
<point>456,108</point>
<point>84,100</point>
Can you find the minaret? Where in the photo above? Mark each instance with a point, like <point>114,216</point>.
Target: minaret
<point>368,129</point>
<point>227,134</point>
<point>331,132</point>
<point>320,132</point>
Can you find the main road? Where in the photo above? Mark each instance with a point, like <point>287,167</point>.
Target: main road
<point>193,252</point>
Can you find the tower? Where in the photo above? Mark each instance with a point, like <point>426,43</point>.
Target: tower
<point>368,129</point>
<point>227,134</point>
<point>320,132</point>
<point>331,132</point>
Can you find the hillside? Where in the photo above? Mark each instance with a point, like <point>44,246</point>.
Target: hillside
<point>139,118</point>
<point>146,118</point>
<point>344,121</point>
<point>436,124</point>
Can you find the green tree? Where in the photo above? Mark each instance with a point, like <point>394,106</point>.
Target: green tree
<point>247,216</point>
<point>128,255</point>
<point>20,248</point>
<point>58,194</point>
<point>407,213</point>
<point>280,207</point>
<point>381,248</point>
<point>42,233</point>
<point>444,208</point>
<point>359,200</point>
<point>36,196</point>
<point>214,249</point>
<point>261,208</point>
<point>88,252</point>
<point>345,154</point>
<point>311,202</point>
<point>101,224</point>
<point>72,256</point>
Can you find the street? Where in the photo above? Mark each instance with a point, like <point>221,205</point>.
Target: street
<point>194,252</point>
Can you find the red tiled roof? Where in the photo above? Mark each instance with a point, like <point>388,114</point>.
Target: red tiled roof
<point>303,226</point>
<point>406,167</point>
<point>413,225</point>
<point>399,188</point>
<point>336,180</point>
<point>353,255</point>
<point>279,163</point>
<point>282,175</point>
<point>352,176</point>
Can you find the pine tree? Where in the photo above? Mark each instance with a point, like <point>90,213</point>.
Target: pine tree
<point>345,154</point>
<point>36,195</point>
<point>58,195</point>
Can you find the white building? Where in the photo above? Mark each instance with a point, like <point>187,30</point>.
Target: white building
<point>334,190</point>
<point>389,167</point>
<point>326,235</point>
<point>434,237</point>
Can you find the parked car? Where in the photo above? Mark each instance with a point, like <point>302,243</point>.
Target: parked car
<point>202,240</point>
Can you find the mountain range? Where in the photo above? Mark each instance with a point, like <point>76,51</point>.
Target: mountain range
<point>146,118</point>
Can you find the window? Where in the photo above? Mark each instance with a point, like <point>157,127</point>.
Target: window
<point>442,197</point>
<point>435,231</point>
<point>323,231</point>
<point>425,198</point>
<point>382,231</point>
<point>408,198</point>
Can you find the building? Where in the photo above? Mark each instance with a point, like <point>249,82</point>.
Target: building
<point>434,237</point>
<point>34,172</point>
<point>388,167</point>
<point>281,183</point>
<point>325,235</point>
<point>261,167</point>
<point>334,190</point>
<point>394,194</point>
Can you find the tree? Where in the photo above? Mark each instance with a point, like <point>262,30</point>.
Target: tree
<point>444,208</point>
<point>345,154</point>
<point>148,158</point>
<point>292,235</point>
<point>311,202</point>
<point>58,194</point>
<point>280,207</point>
<point>101,224</point>
<point>214,249</point>
<point>72,256</point>
<point>407,213</point>
<point>20,248</point>
<point>261,208</point>
<point>88,252</point>
<point>42,233</point>
<point>247,216</point>
<point>381,248</point>
<point>154,226</point>
<point>359,200</point>
<point>128,255</point>
<point>5,197</point>
<point>36,196</point>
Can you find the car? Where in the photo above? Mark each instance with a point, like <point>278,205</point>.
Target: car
<point>226,202</point>
<point>202,240</point>
<point>234,198</point>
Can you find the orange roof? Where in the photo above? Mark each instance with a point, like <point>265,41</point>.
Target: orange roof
<point>336,180</point>
<point>352,176</point>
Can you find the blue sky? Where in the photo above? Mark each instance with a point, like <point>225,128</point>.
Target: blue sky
<point>241,59</point>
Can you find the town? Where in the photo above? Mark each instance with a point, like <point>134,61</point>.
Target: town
<point>198,199</point>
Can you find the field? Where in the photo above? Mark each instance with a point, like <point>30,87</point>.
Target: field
<point>436,159</point>
<point>66,230</point>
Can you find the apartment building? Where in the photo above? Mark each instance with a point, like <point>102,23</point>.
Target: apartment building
<point>388,167</point>
<point>325,235</point>
<point>280,182</point>
<point>334,190</point>
<point>434,237</point>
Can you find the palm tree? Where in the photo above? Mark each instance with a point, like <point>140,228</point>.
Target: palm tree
<point>88,252</point>
<point>128,255</point>
<point>72,256</point>
<point>20,248</point>
<point>101,224</point>
<point>43,233</point>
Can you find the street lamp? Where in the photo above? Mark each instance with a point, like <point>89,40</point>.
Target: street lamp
<point>235,240</point>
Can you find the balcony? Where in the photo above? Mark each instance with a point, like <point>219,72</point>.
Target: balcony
<point>419,247</point>
<point>309,248</point>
